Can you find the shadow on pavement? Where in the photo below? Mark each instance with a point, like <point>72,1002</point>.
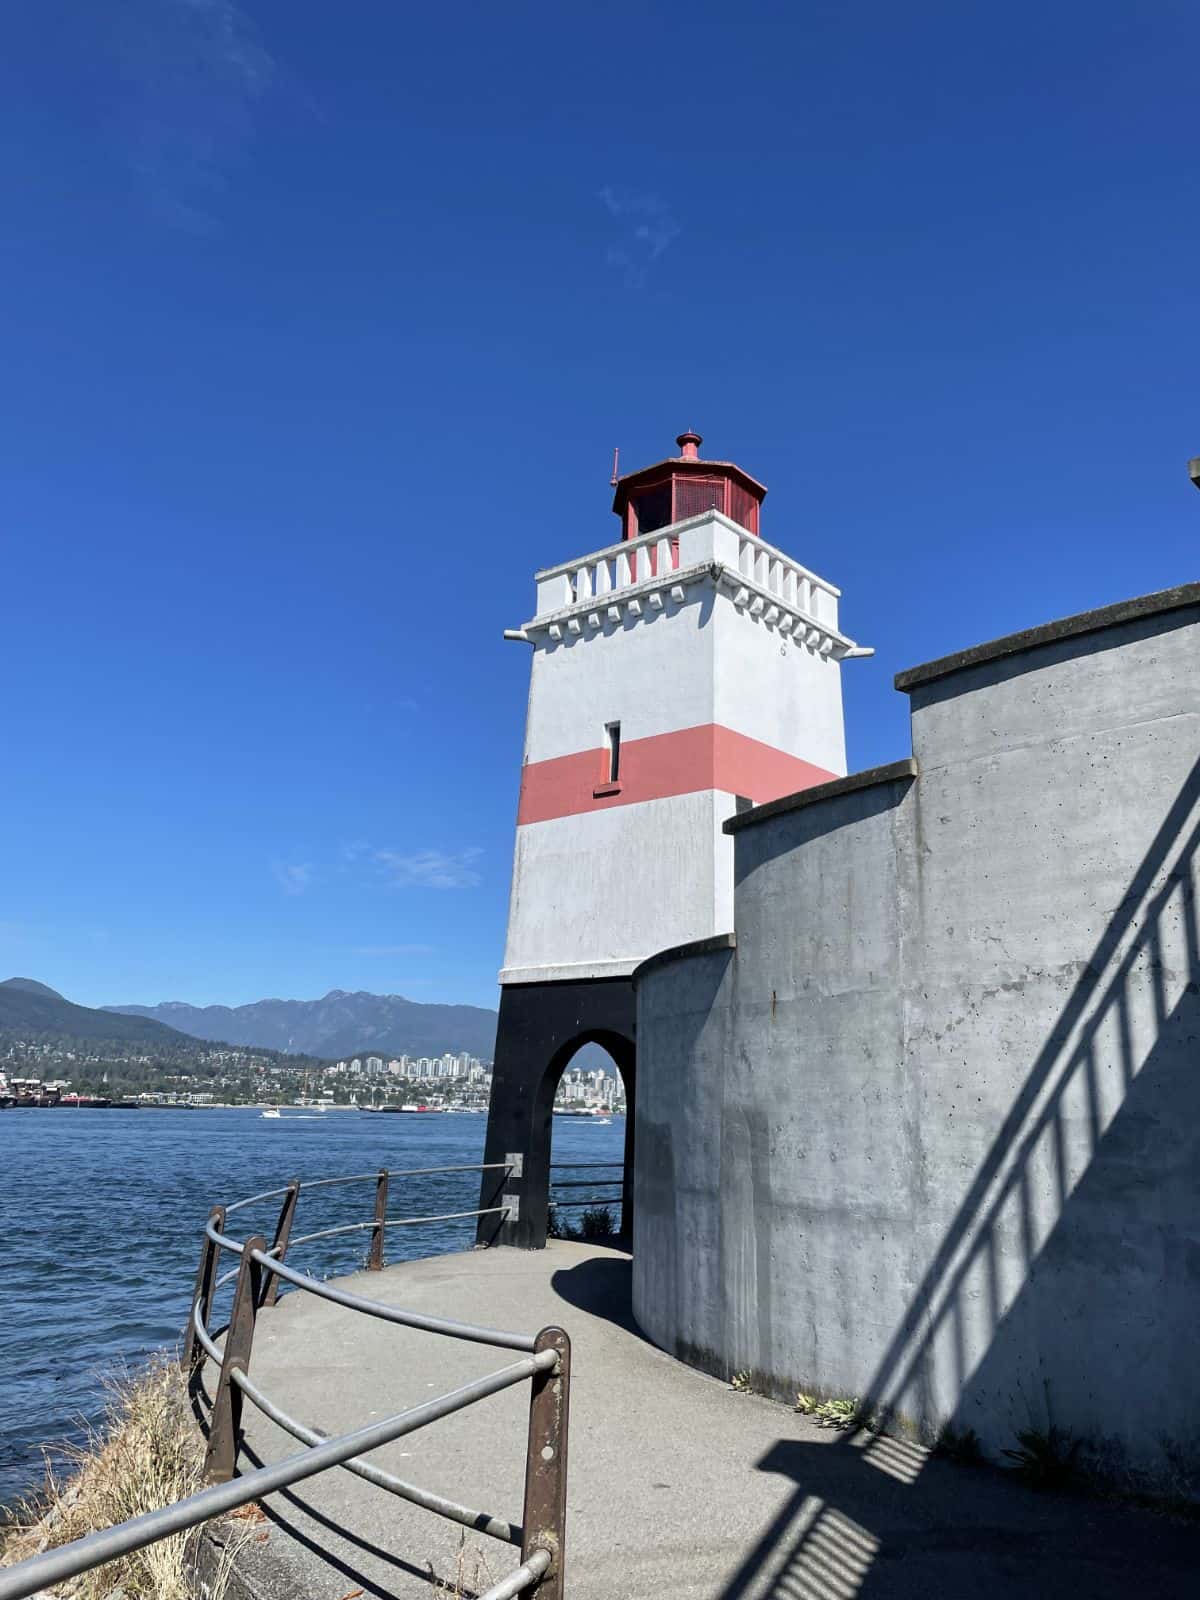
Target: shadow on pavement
<point>876,1517</point>
<point>602,1286</point>
<point>322,1550</point>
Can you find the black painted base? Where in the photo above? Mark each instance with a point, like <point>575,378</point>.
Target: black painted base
<point>541,1027</point>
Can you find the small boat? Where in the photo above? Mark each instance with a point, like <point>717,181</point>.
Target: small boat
<point>271,1111</point>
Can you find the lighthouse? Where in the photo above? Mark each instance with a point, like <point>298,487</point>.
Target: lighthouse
<point>681,671</point>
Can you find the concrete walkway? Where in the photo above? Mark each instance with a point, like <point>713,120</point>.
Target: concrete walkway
<point>680,1489</point>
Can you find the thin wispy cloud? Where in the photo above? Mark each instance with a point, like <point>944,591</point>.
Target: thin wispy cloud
<point>646,229</point>
<point>393,950</point>
<point>192,72</point>
<point>293,877</point>
<point>430,869</point>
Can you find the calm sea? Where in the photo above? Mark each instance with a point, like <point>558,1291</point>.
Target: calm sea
<point>102,1213</point>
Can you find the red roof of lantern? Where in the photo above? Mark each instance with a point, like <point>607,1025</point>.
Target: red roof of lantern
<point>685,486</point>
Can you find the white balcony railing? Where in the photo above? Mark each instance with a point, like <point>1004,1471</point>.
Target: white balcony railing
<point>793,586</point>
<point>591,581</point>
<point>604,572</point>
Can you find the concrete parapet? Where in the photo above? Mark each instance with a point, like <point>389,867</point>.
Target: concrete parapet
<point>931,1133</point>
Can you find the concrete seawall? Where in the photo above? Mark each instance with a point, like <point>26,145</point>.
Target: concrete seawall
<point>930,1133</point>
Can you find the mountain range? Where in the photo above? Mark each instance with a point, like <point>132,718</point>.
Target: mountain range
<point>31,1008</point>
<point>339,1024</point>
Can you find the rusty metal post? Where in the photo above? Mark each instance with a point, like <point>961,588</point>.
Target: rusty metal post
<point>225,1424</point>
<point>375,1258</point>
<point>202,1294</point>
<point>283,1232</point>
<point>545,1517</point>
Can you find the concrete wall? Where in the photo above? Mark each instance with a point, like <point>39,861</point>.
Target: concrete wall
<point>931,1133</point>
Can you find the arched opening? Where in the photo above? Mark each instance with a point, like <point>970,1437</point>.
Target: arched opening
<point>591,1142</point>
<point>536,1190</point>
<point>542,1028</point>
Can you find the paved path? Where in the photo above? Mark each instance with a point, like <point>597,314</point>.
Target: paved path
<point>680,1489</point>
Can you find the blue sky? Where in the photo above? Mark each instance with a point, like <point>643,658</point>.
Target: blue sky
<point>321,326</point>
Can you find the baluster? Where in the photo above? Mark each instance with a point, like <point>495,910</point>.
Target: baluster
<point>225,1425</point>
<point>202,1294</point>
<point>375,1258</point>
<point>283,1232</point>
<point>544,1524</point>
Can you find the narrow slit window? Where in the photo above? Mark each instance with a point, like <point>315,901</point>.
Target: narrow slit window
<point>612,732</point>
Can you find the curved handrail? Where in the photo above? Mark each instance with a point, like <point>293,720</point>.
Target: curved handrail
<point>412,1172</point>
<point>211,1350</point>
<point>372,1308</point>
<point>394,1222</point>
<point>545,1362</point>
<point>26,1578</point>
<point>523,1578</point>
<point>386,1313</point>
<point>367,1177</point>
<point>481,1521</point>
<point>260,1268</point>
<point>253,1199</point>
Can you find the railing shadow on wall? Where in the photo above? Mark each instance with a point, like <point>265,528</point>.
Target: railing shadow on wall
<point>1154,930</point>
<point>822,1543</point>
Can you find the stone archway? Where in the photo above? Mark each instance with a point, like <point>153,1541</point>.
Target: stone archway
<point>541,1027</point>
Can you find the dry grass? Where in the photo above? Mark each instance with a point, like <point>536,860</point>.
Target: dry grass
<point>472,1573</point>
<point>147,1453</point>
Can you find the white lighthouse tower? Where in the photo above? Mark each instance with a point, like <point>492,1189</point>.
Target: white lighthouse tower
<point>684,670</point>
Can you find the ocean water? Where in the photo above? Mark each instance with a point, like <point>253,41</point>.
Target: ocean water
<point>102,1215</point>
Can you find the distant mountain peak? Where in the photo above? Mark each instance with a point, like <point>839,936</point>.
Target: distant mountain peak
<point>31,986</point>
<point>31,1009</point>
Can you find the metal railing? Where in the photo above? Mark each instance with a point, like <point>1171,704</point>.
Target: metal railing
<point>592,1200</point>
<point>545,1363</point>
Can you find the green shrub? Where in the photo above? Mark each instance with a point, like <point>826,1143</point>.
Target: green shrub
<point>836,1414</point>
<point>961,1445</point>
<point>558,1227</point>
<point>1045,1458</point>
<point>597,1224</point>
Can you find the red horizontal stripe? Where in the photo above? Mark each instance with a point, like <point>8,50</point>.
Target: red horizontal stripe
<point>708,757</point>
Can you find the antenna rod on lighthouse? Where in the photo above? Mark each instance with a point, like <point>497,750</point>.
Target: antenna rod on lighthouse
<point>616,458</point>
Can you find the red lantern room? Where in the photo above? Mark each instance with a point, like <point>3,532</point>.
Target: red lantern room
<point>685,486</point>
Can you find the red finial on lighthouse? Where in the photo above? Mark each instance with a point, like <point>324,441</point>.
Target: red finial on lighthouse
<point>689,445</point>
